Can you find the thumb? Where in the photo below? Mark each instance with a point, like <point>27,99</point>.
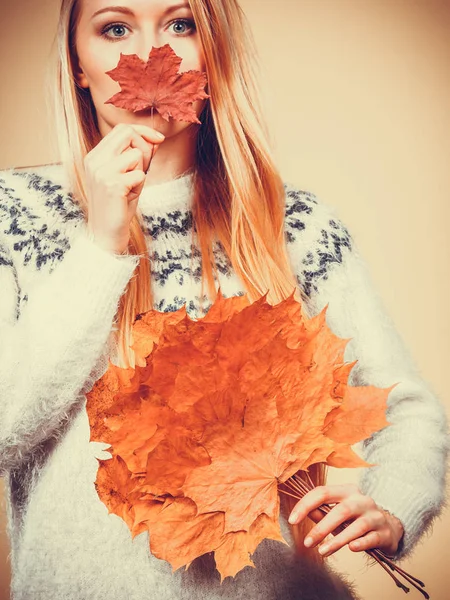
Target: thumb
<point>154,151</point>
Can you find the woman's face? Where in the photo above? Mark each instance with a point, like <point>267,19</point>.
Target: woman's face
<point>103,32</point>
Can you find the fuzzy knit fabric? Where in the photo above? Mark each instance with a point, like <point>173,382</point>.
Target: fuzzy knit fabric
<point>59,293</point>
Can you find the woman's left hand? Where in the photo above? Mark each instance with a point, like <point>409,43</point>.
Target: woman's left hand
<point>371,526</point>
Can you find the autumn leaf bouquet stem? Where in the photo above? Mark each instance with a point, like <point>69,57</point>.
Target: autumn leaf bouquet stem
<point>218,417</point>
<point>296,487</point>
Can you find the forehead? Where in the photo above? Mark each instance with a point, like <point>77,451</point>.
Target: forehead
<point>91,7</point>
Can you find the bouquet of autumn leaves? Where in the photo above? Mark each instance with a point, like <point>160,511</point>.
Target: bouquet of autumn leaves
<point>218,415</point>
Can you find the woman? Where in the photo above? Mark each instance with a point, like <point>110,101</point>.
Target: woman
<point>111,238</point>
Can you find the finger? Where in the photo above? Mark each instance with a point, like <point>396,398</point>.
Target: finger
<point>110,142</point>
<point>128,161</point>
<point>347,510</point>
<point>149,142</point>
<point>322,494</point>
<point>135,140</point>
<point>146,151</point>
<point>359,527</point>
<point>372,539</point>
<point>153,152</point>
<point>148,132</point>
<point>133,181</point>
<point>122,137</point>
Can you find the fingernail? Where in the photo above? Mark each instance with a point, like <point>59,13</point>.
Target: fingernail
<point>292,518</point>
<point>160,136</point>
<point>323,549</point>
<point>308,542</point>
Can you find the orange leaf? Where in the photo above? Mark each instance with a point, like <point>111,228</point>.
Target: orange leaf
<point>179,535</point>
<point>147,330</point>
<point>234,552</point>
<point>121,494</point>
<point>358,415</point>
<point>344,457</point>
<point>170,462</point>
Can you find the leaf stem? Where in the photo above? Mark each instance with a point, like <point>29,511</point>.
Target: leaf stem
<point>153,145</point>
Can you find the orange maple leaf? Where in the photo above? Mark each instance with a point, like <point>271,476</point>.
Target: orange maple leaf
<point>148,329</point>
<point>122,495</point>
<point>236,548</point>
<point>156,84</point>
<point>180,535</point>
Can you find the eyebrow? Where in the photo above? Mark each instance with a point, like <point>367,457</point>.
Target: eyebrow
<point>127,11</point>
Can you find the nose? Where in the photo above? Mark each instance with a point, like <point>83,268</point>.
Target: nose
<point>147,39</point>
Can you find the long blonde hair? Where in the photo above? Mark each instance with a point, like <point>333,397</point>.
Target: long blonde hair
<point>238,193</point>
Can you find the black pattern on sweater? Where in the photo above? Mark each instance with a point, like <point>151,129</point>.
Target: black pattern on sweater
<point>328,248</point>
<point>33,240</point>
<point>37,240</point>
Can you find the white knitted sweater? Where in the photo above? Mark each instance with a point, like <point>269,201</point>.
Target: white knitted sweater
<point>59,293</point>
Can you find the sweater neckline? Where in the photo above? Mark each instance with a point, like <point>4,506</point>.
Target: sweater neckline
<point>167,196</point>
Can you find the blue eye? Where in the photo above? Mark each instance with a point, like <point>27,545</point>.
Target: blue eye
<point>111,26</point>
<point>186,23</point>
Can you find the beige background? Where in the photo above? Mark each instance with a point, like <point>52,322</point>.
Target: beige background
<point>357,95</point>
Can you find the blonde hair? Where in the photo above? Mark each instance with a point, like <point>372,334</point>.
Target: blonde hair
<point>238,193</point>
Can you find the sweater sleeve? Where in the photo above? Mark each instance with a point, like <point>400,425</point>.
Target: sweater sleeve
<point>411,454</point>
<point>49,353</point>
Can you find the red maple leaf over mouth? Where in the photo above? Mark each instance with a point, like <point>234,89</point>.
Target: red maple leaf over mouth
<point>156,84</point>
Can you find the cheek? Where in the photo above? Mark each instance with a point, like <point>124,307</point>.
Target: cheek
<point>199,59</point>
<point>95,67</point>
<point>95,61</point>
<point>192,55</point>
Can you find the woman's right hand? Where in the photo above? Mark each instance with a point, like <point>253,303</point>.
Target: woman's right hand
<point>115,174</point>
